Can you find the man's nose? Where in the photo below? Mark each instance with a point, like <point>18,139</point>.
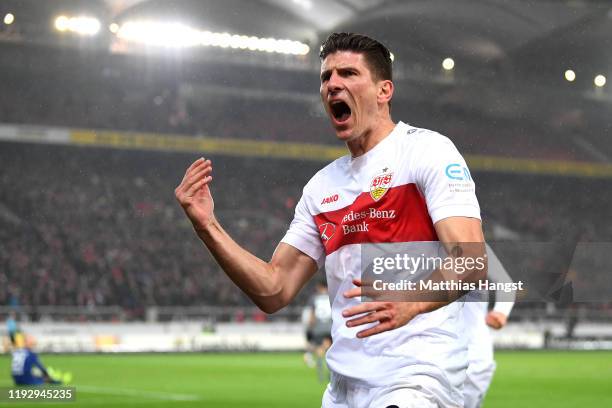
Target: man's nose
<point>334,84</point>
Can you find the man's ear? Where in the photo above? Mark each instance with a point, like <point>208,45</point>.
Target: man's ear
<point>385,91</point>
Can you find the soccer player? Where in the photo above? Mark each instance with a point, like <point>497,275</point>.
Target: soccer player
<point>11,326</point>
<point>319,326</point>
<point>309,353</point>
<point>25,361</point>
<point>398,183</point>
<point>478,321</point>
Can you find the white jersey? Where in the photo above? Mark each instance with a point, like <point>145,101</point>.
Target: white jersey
<point>393,193</point>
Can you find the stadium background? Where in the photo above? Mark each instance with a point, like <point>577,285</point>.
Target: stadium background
<point>99,117</point>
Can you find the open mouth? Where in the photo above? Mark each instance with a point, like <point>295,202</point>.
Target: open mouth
<point>340,110</point>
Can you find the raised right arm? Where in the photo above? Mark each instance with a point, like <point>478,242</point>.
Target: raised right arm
<point>270,285</point>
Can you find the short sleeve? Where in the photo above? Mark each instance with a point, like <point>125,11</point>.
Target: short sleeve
<point>303,233</point>
<point>446,181</point>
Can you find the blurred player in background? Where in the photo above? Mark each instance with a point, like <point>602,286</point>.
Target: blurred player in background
<point>26,367</point>
<point>309,353</point>
<point>478,321</point>
<point>319,327</point>
<point>12,327</point>
<point>398,184</point>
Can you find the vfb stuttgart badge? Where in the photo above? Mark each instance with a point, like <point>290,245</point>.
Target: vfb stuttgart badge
<point>380,184</point>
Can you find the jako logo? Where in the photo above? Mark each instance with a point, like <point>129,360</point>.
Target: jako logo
<point>327,231</point>
<point>330,199</point>
<point>455,171</point>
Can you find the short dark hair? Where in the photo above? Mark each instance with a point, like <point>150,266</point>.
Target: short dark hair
<point>377,56</point>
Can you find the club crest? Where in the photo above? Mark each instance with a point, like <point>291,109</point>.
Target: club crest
<point>380,184</point>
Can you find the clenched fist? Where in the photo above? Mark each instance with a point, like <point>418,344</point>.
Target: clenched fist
<point>496,320</point>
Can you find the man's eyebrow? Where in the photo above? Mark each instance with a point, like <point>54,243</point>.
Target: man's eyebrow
<point>327,72</point>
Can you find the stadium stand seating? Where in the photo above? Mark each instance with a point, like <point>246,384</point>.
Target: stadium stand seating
<point>94,227</point>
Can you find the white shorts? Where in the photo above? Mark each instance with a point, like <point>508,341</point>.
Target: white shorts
<point>409,393</point>
<point>478,379</point>
<point>481,365</point>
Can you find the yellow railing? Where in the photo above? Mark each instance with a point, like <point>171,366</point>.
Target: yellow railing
<point>317,152</point>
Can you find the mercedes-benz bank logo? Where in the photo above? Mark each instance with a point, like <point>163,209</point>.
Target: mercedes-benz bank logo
<point>327,231</point>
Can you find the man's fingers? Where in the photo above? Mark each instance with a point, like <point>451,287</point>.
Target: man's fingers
<point>367,285</point>
<point>367,292</point>
<point>198,185</point>
<point>379,328</point>
<point>379,316</point>
<point>195,166</point>
<point>197,174</point>
<point>351,293</point>
<point>362,308</point>
<point>199,167</point>
<point>196,163</point>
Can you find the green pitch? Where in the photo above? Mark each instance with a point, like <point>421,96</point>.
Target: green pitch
<point>525,379</point>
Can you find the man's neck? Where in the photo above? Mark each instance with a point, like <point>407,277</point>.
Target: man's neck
<point>366,142</point>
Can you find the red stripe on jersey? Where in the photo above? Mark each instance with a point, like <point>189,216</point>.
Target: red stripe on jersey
<point>399,216</point>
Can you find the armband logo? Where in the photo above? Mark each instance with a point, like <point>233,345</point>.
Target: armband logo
<point>455,171</point>
<point>460,179</point>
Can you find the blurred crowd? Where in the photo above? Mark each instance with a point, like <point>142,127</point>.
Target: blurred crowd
<point>92,227</point>
<point>101,227</point>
